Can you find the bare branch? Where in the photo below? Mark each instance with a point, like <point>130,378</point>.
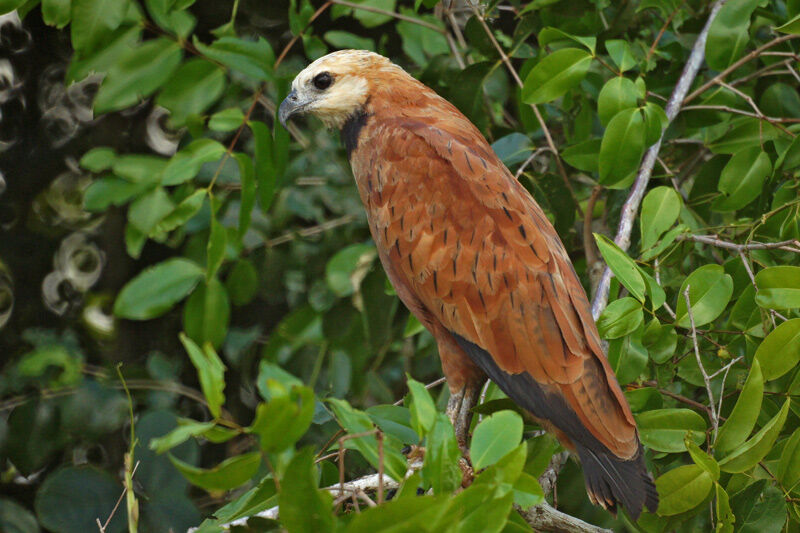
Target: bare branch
<point>398,16</point>
<point>542,517</point>
<point>713,240</point>
<point>706,378</point>
<point>752,55</point>
<point>631,206</point>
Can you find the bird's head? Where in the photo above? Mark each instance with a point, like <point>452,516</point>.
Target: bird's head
<point>334,87</point>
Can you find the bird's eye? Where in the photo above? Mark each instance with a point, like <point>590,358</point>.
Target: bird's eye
<point>322,81</point>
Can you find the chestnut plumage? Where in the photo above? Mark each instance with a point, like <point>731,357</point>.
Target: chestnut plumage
<point>473,256</point>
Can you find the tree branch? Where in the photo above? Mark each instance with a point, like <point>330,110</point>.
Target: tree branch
<point>631,207</point>
<point>542,517</point>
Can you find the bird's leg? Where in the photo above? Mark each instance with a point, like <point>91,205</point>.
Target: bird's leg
<point>459,410</point>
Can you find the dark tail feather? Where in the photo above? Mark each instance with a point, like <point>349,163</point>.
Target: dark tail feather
<point>611,481</point>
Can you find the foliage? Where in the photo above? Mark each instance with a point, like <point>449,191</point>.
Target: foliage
<point>258,334</point>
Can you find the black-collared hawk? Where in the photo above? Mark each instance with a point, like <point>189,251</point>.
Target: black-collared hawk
<point>473,256</point>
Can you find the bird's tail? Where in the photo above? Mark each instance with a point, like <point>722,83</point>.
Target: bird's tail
<point>611,481</point>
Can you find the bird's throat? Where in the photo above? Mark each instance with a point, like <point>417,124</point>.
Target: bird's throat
<point>351,130</point>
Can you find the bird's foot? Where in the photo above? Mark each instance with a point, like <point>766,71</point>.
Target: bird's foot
<point>459,411</point>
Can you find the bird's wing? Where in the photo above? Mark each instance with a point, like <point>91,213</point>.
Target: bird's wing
<point>482,257</point>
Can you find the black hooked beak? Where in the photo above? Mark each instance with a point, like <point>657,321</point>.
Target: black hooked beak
<point>291,105</point>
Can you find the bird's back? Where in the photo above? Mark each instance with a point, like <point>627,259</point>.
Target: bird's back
<point>477,258</point>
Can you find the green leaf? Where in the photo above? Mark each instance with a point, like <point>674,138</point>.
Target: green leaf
<point>145,170</point>
<point>229,474</point>
<point>211,373</point>
<point>780,351</point>
<point>555,74</point>
<point>513,148</point>
<point>420,42</point>
<point>620,52</point>
<point>282,421</point>
<point>628,356</point>
<point>440,469</point>
<point>15,518</point>
<point>206,314</point>
<point>788,470</point>
<point>622,149</point>
<point>355,422</point>
<point>747,133</point>
<point>682,489</point>
<point>549,35</point>
<point>57,13</point>
<point>303,507</point>
<point>665,430</point>
<point>226,120</point>
<point>192,89</point>
<point>215,250</point>
<point>423,410</point>
<point>252,58</point>
<point>742,179</point>
<point>107,191</point>
<point>618,94</point>
<point>527,491</point>
<point>345,40</point>
<point>584,155</point>
<point>248,181</point>
<point>98,159</point>
<point>655,121</point>
<point>61,502</point>
<point>754,450</point>
<point>7,6</point>
<point>743,418</point>
<point>184,211</point>
<point>242,282</point>
<point>703,460</point>
<point>494,437</point>
<point>137,74</point>
<point>186,429</point>
<point>266,175</point>
<point>778,287</point>
<point>710,290</point>
<point>660,210</point>
<point>155,290</point>
<point>728,37</point>
<point>93,22</point>
<point>149,209</point>
<point>760,509</point>
<point>622,266</point>
<point>792,26</point>
<point>186,164</point>
<point>118,44</point>
<point>725,517</point>
<point>660,340</point>
<point>347,268</point>
<point>620,318</point>
<point>171,17</point>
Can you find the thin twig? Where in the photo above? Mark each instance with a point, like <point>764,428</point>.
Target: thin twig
<point>728,109</point>
<point>752,55</point>
<point>631,206</point>
<point>789,246</point>
<point>398,16</point>
<point>706,377</point>
<point>102,527</point>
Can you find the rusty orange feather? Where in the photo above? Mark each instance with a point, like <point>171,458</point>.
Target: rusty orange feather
<point>474,257</point>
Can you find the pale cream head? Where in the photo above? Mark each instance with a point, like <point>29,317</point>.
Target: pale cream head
<point>334,87</point>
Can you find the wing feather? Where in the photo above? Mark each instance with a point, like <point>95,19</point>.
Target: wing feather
<point>483,259</point>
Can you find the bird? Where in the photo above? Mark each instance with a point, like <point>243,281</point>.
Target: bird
<point>475,259</point>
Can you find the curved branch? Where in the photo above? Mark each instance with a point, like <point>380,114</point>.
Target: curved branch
<point>631,206</point>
